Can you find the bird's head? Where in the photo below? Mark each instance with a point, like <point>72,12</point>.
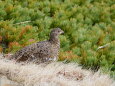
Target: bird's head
<point>56,32</point>
<point>54,35</point>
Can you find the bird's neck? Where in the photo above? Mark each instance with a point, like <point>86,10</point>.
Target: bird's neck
<point>54,40</point>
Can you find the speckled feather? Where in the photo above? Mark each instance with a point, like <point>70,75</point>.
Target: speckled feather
<point>41,51</point>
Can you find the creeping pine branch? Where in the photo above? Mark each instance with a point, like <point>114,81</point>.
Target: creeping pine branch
<point>104,46</point>
<point>22,22</point>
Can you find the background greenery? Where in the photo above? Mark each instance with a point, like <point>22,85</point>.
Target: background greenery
<point>87,24</point>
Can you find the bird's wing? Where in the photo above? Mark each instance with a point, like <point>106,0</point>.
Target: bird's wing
<point>42,48</point>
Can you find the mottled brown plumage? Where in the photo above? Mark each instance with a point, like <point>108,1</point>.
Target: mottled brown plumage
<point>41,51</point>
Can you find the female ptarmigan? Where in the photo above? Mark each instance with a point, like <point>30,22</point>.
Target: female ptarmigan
<point>43,51</point>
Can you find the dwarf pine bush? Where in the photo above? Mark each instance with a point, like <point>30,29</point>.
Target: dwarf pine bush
<point>88,24</point>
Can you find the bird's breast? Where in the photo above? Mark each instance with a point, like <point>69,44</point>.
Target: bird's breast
<point>55,49</point>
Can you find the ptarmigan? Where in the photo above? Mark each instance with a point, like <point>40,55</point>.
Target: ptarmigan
<point>43,51</point>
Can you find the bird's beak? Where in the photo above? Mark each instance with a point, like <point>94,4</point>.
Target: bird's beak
<point>62,32</point>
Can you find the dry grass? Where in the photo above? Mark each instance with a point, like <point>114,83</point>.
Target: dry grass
<point>53,74</point>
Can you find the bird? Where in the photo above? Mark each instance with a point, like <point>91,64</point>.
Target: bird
<point>43,51</point>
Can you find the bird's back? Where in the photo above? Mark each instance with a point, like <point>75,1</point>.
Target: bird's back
<point>24,53</point>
